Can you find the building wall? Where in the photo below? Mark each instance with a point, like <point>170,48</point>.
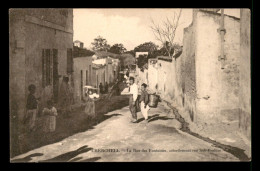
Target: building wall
<point>34,34</point>
<point>166,79</point>
<point>186,73</point>
<point>17,89</point>
<point>245,75</point>
<point>109,71</point>
<point>99,73</point>
<point>217,89</point>
<point>31,31</point>
<point>81,64</point>
<point>152,75</point>
<point>115,67</point>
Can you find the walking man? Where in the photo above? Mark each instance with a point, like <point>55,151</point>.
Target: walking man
<point>144,101</point>
<point>133,90</point>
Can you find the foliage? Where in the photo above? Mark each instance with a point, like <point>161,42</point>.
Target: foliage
<point>79,52</point>
<point>100,44</point>
<point>174,49</point>
<point>117,49</point>
<point>126,59</point>
<point>149,47</point>
<point>165,33</point>
<point>130,52</point>
<point>141,61</point>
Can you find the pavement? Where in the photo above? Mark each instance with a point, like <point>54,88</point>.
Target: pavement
<point>117,139</point>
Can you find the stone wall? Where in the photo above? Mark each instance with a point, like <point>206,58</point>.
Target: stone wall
<point>81,64</point>
<point>217,89</point>
<point>29,35</point>
<point>245,74</point>
<point>17,88</point>
<point>153,75</point>
<point>186,73</point>
<point>166,79</point>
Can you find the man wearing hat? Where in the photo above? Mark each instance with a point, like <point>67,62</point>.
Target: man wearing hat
<point>133,90</point>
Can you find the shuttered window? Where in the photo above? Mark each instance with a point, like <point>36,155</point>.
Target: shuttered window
<point>69,61</point>
<point>49,67</point>
<point>87,77</point>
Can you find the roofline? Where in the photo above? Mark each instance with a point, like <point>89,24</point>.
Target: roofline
<point>215,13</point>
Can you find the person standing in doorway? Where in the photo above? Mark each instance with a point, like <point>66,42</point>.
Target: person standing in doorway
<point>65,97</point>
<point>31,107</point>
<point>101,88</point>
<point>133,90</point>
<point>106,87</point>
<point>144,100</point>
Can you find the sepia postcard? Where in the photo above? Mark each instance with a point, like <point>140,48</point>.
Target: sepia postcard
<point>129,85</point>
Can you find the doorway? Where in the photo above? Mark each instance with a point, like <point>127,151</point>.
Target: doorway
<point>81,84</point>
<point>55,76</point>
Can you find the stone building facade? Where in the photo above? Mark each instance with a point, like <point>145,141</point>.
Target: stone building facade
<point>82,76</point>
<point>40,53</point>
<point>207,88</point>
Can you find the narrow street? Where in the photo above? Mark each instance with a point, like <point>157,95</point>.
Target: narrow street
<point>74,73</point>
<point>159,140</point>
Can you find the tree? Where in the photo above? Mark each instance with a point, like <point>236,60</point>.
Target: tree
<point>176,48</point>
<point>117,49</point>
<point>166,33</point>
<point>100,44</point>
<point>149,47</point>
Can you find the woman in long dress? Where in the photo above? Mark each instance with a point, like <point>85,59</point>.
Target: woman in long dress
<point>49,114</point>
<point>90,104</point>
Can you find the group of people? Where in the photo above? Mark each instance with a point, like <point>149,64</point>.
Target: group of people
<point>134,101</point>
<point>44,106</point>
<point>103,89</point>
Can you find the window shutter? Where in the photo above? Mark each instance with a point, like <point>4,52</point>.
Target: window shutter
<point>51,67</point>
<point>43,69</point>
<point>48,81</point>
<point>55,75</point>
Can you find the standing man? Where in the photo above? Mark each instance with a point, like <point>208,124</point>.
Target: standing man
<point>101,88</point>
<point>133,90</point>
<point>106,87</point>
<point>31,107</point>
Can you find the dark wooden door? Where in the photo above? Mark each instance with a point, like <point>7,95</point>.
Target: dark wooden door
<point>55,76</point>
<point>81,85</point>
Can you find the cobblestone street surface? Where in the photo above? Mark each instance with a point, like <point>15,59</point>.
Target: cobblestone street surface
<point>117,139</point>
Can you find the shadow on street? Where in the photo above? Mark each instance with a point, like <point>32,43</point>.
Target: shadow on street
<point>27,158</point>
<point>149,117</point>
<point>69,155</point>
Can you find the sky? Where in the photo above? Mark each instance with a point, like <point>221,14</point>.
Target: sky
<point>131,27</point>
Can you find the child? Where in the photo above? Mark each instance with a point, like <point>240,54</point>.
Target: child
<point>49,114</point>
<point>144,101</point>
<point>31,107</point>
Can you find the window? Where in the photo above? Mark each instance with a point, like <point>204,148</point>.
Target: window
<point>69,61</point>
<point>55,75</point>
<point>97,80</point>
<point>87,77</point>
<point>47,67</point>
<point>90,74</point>
<point>81,84</point>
